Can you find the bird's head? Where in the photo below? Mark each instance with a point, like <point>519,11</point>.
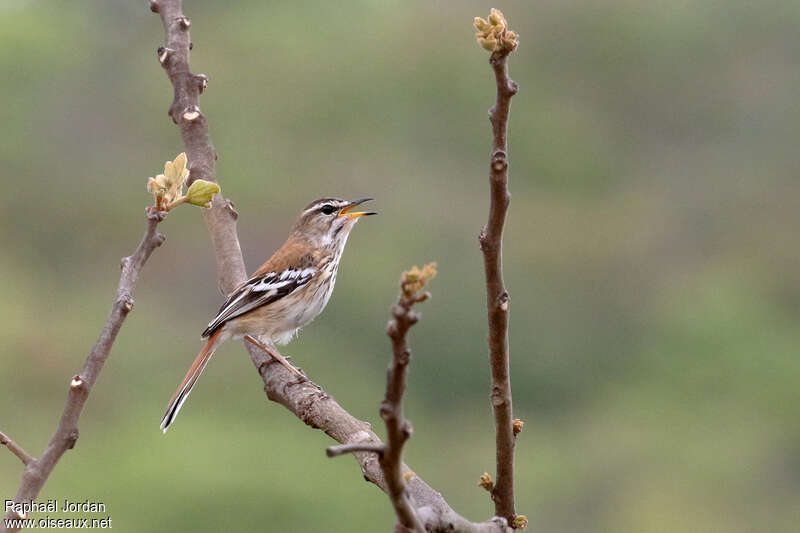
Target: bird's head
<point>327,222</point>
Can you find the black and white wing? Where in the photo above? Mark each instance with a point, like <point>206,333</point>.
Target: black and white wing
<point>258,291</point>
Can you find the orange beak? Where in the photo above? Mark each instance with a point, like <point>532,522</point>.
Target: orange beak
<point>345,212</point>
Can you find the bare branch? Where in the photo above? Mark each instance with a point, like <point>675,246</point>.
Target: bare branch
<point>221,217</point>
<point>305,399</point>
<point>174,57</point>
<point>38,470</point>
<point>316,408</point>
<point>398,429</point>
<point>16,449</point>
<point>491,241</point>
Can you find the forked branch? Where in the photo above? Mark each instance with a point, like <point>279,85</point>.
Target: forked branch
<point>307,400</point>
<point>398,429</point>
<point>37,471</point>
<point>16,449</point>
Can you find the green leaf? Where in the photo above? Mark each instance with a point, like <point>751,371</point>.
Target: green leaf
<point>201,191</point>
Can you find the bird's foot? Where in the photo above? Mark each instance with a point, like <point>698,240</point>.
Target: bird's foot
<point>279,358</point>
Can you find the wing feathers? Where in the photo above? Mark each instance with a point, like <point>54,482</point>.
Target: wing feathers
<point>260,290</point>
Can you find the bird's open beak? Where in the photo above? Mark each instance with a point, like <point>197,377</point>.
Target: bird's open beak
<point>355,214</point>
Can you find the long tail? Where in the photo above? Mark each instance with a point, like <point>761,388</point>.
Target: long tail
<point>176,402</point>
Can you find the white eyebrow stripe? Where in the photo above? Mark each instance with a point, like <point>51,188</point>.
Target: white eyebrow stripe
<point>337,205</point>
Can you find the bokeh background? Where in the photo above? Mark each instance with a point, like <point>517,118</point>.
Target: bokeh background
<point>651,256</point>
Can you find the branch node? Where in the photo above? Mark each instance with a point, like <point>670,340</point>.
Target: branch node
<point>72,438</point>
<point>184,22</point>
<point>483,237</point>
<point>126,302</point>
<point>517,426</point>
<point>513,88</point>
<point>77,383</point>
<point>155,214</point>
<point>191,113</point>
<point>231,209</point>
<point>502,301</point>
<point>497,396</point>
<point>398,311</point>
<point>499,161</point>
<point>202,82</point>
<point>163,55</point>
<point>386,411</point>
<point>154,6</point>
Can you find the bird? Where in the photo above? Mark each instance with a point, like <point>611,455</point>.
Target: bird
<point>285,294</point>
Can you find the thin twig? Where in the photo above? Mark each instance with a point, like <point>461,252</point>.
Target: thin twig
<point>16,449</point>
<point>316,408</point>
<point>398,429</point>
<point>221,217</point>
<point>305,399</point>
<point>38,470</point>
<point>491,241</point>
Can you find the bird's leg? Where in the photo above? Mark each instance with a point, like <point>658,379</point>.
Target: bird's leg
<point>275,355</point>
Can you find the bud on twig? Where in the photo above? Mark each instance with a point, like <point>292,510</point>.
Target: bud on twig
<point>414,280</point>
<point>485,482</point>
<point>167,188</point>
<point>494,35</point>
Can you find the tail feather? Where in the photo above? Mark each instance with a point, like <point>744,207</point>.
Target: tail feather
<point>189,381</point>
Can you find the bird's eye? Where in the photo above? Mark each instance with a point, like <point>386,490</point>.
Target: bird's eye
<point>328,209</point>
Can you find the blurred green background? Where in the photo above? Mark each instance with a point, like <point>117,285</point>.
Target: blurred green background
<point>651,256</point>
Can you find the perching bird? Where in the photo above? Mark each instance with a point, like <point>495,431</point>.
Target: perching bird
<point>282,296</point>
